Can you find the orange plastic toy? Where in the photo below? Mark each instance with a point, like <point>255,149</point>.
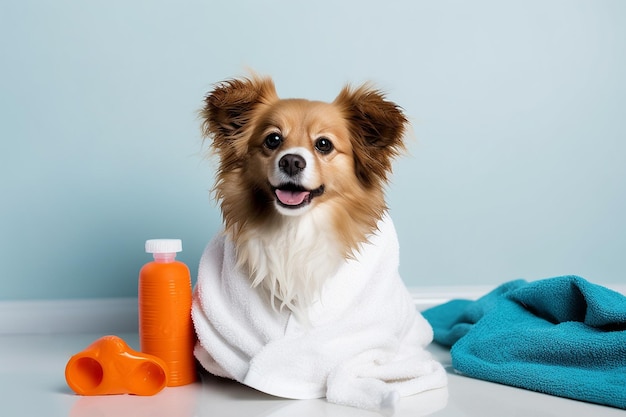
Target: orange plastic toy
<point>110,366</point>
<point>165,326</point>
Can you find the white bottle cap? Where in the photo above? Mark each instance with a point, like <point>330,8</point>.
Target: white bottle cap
<point>164,245</point>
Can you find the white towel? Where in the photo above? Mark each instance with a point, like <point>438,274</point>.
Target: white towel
<point>364,345</point>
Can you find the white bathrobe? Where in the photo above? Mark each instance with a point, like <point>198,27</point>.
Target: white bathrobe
<point>364,345</point>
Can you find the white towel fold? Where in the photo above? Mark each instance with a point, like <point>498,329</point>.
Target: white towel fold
<point>364,345</point>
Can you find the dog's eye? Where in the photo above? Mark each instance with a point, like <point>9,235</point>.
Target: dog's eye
<point>323,145</point>
<point>273,141</point>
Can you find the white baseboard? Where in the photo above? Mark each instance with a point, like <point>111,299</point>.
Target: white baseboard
<point>119,315</point>
<point>116,315</point>
<point>103,316</point>
<point>427,297</point>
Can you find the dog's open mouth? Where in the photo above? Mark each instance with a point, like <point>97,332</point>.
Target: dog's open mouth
<point>295,196</point>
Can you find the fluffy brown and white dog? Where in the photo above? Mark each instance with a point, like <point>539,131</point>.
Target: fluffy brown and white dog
<point>300,296</point>
<point>301,183</point>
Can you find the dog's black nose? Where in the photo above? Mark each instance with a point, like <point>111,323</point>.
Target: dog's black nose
<point>292,164</point>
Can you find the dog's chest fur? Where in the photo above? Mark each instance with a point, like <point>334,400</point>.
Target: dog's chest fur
<point>292,258</point>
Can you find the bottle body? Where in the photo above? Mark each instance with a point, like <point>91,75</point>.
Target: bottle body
<point>165,327</point>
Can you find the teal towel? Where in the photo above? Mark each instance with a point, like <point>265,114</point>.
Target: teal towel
<point>562,336</point>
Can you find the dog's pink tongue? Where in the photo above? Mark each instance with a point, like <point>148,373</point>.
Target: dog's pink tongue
<point>291,198</point>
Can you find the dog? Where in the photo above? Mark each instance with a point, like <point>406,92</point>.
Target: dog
<point>300,293</point>
<point>301,183</point>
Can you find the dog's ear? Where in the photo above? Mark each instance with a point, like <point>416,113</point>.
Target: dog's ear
<point>377,127</point>
<point>230,106</point>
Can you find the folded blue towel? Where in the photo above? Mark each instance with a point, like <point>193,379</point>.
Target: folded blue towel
<point>562,336</point>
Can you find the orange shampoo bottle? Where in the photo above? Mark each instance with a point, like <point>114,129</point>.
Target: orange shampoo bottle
<point>165,326</point>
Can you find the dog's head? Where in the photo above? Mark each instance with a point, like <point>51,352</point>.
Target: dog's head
<point>289,157</point>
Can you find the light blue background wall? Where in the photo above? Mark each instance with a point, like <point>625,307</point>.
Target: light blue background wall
<point>517,167</point>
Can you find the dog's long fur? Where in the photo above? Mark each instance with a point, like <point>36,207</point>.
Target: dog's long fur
<point>291,250</point>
